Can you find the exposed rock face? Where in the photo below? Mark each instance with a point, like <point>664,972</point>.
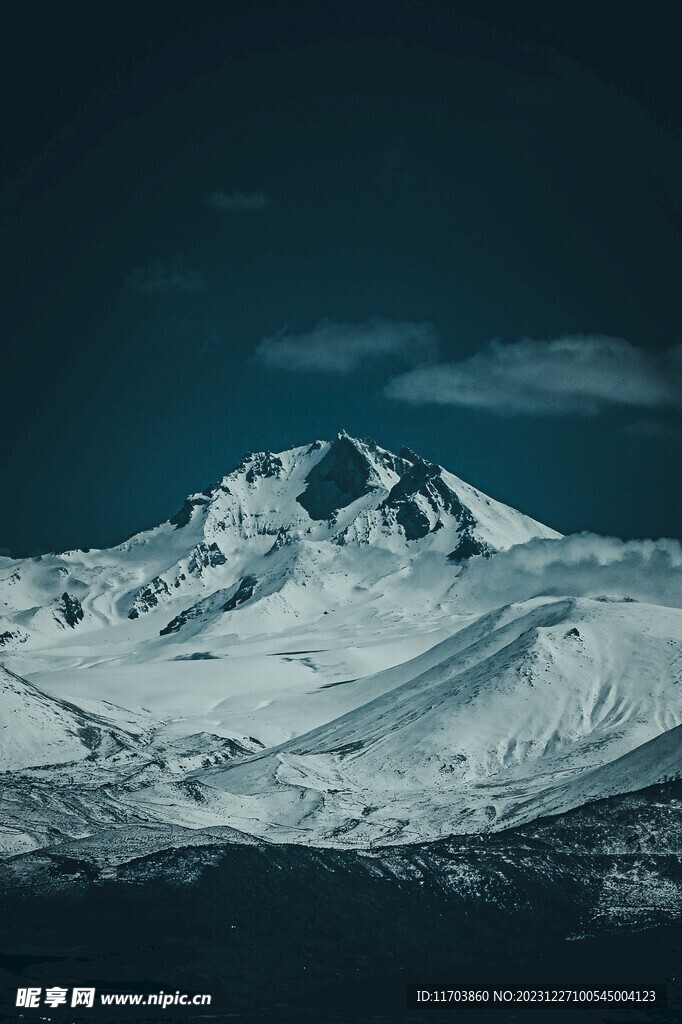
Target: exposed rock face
<point>263,464</point>
<point>9,638</point>
<point>469,546</point>
<point>342,476</point>
<point>205,556</point>
<point>179,621</point>
<point>424,481</point>
<point>69,610</point>
<point>394,463</point>
<point>283,538</point>
<point>215,603</point>
<point>148,597</point>
<point>183,516</point>
<point>245,591</point>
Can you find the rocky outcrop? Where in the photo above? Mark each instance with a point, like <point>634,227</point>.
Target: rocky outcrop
<point>424,481</point>
<point>183,516</point>
<point>262,464</point>
<point>245,590</point>
<point>69,611</point>
<point>148,597</point>
<point>205,556</point>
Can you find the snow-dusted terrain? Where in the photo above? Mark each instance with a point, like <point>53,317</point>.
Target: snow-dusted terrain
<point>338,646</point>
<point>531,710</point>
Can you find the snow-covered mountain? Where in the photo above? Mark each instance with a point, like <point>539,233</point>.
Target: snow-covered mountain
<point>322,648</point>
<point>282,537</point>
<point>531,710</point>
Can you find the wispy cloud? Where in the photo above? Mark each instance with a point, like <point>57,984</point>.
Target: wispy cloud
<point>332,347</point>
<point>576,375</point>
<point>233,201</point>
<point>166,276</point>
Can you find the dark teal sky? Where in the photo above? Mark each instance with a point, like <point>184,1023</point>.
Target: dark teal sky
<point>496,175</point>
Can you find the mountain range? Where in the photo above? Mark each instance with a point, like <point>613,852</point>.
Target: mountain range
<point>302,654</point>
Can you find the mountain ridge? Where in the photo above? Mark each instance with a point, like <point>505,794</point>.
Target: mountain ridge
<point>343,493</point>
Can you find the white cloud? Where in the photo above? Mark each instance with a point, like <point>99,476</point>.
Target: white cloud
<point>581,565</point>
<point>577,375</point>
<point>170,276</point>
<point>332,347</point>
<point>238,201</point>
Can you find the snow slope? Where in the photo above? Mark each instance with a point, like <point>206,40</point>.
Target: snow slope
<point>37,729</point>
<point>531,710</point>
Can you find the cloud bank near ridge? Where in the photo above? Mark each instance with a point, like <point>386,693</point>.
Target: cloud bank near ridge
<point>580,565</point>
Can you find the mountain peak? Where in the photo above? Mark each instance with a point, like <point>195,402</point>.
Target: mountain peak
<point>343,474</point>
<point>325,477</point>
<point>272,522</point>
